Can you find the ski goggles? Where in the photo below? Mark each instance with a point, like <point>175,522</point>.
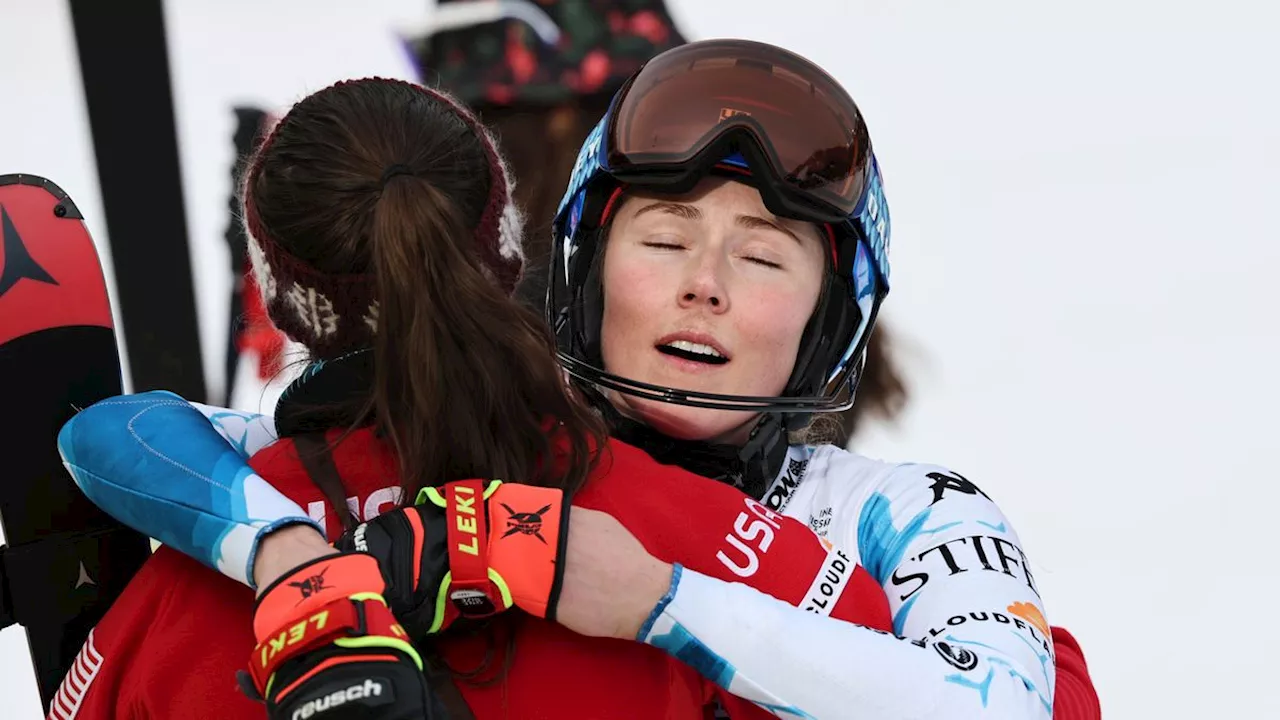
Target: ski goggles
<point>693,105</point>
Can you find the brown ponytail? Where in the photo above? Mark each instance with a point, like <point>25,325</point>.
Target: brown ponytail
<point>467,381</point>
<point>372,224</point>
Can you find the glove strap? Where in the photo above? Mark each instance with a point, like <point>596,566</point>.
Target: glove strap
<point>351,622</point>
<point>504,548</point>
<point>471,588</point>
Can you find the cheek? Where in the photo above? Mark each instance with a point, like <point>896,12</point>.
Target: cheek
<point>776,322</point>
<point>631,293</point>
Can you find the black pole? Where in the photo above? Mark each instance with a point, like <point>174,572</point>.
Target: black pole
<point>124,65</point>
<point>249,127</point>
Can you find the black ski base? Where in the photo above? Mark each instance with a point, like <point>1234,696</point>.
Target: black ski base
<point>66,561</point>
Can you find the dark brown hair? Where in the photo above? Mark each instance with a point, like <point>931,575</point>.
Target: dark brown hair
<point>386,180</point>
<point>541,144</point>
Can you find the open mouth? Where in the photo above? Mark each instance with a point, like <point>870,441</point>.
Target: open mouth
<point>695,352</point>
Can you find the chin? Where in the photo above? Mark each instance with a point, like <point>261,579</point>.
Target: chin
<point>689,423</point>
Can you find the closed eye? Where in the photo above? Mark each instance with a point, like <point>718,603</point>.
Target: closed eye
<point>766,263</point>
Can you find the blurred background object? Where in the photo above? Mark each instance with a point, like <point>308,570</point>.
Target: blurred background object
<point>129,98</point>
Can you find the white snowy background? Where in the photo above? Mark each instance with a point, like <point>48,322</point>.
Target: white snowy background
<point>1083,198</point>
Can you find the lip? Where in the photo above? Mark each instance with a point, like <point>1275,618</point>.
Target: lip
<point>694,337</point>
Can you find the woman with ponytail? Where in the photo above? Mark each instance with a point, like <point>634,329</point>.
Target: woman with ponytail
<point>381,222</point>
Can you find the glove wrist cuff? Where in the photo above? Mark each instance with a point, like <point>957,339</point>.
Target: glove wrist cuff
<point>312,585</point>
<point>351,622</point>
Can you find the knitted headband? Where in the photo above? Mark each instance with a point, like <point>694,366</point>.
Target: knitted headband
<point>333,313</point>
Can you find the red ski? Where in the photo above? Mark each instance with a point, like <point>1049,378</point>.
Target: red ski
<point>65,561</point>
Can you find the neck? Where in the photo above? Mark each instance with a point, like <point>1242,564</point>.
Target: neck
<point>748,457</point>
<point>675,427</point>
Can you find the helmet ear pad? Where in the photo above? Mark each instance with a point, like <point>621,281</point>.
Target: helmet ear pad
<point>591,301</point>
<point>829,330</point>
<point>577,320</point>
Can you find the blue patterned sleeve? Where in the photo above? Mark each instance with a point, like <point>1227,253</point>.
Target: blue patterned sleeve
<point>179,473</point>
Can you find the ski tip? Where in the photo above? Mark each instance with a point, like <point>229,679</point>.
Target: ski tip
<point>66,207</point>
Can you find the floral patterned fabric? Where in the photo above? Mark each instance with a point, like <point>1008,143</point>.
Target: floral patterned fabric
<point>506,62</point>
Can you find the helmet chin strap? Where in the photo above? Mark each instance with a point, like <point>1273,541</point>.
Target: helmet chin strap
<point>750,467</point>
<point>623,403</point>
<point>763,455</point>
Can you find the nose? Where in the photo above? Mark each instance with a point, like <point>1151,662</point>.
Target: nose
<point>703,284</point>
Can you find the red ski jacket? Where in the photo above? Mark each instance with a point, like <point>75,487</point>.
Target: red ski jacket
<point>170,646</point>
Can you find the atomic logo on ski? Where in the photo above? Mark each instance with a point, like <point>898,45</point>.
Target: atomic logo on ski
<point>18,263</point>
<point>84,577</point>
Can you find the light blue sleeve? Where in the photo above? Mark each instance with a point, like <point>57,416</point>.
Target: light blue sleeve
<point>179,473</point>
<point>969,641</point>
<point>956,577</point>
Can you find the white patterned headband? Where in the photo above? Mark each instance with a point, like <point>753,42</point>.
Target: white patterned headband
<point>335,313</point>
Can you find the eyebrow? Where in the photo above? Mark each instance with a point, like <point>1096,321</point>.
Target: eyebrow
<point>753,222</point>
<point>690,212</point>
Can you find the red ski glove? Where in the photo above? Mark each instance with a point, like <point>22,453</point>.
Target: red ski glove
<point>328,642</point>
<point>469,549</point>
